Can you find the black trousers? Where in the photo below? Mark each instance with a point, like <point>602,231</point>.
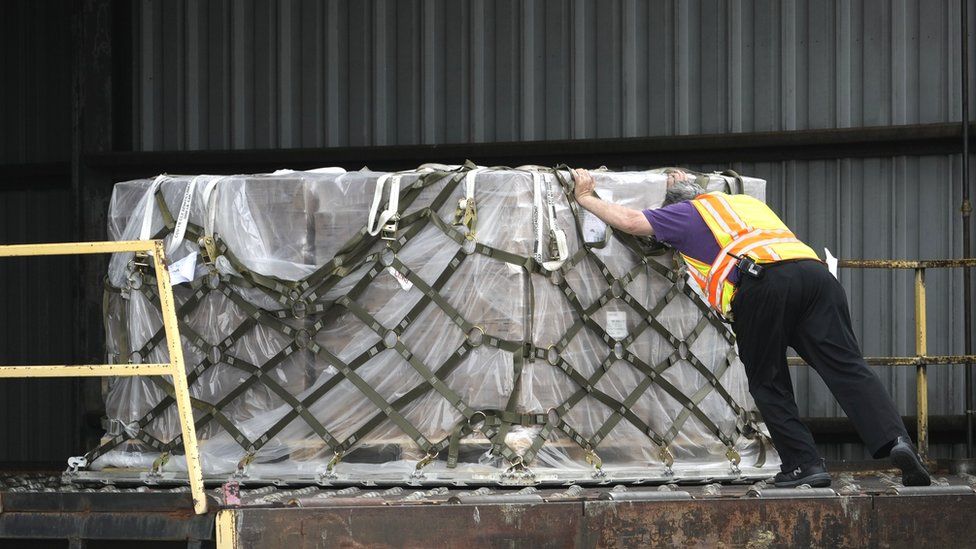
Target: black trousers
<point>801,305</point>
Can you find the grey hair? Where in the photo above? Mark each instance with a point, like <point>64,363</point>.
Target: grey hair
<point>680,191</point>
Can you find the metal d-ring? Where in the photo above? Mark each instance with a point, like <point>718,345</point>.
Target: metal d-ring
<point>472,423</point>
<point>552,355</point>
<point>552,415</point>
<point>473,339</point>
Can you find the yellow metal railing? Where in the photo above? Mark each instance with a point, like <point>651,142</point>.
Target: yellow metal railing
<point>921,359</point>
<point>174,368</point>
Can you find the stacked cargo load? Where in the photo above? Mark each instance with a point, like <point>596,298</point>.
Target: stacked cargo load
<point>444,324</point>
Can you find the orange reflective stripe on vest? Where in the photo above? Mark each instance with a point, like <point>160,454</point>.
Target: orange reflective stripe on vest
<point>741,226</point>
<point>722,211</point>
<point>696,269</point>
<point>747,244</point>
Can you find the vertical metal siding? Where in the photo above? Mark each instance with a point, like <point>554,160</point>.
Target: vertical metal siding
<point>298,73</point>
<point>35,98</point>
<point>246,74</point>
<point>40,421</point>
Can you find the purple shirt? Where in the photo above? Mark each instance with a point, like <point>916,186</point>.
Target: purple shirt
<point>682,227</point>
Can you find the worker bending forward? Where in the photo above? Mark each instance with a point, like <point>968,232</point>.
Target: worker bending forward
<point>777,294</point>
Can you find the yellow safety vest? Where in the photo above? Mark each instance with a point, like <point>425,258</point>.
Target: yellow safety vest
<point>742,226</point>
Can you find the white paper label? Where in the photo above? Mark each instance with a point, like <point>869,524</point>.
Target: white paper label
<point>831,262</point>
<point>183,270</point>
<point>595,230</point>
<point>404,281</point>
<point>617,324</point>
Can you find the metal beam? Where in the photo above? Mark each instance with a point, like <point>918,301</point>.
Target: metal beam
<point>75,248</point>
<point>942,429</point>
<point>35,176</point>
<point>85,370</point>
<point>886,141</point>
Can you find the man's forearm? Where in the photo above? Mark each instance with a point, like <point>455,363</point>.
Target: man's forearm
<point>619,217</point>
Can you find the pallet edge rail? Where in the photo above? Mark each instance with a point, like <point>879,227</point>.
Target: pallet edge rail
<point>174,368</point>
<point>921,359</point>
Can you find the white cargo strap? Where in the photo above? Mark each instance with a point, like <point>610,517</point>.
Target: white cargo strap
<point>537,214</point>
<point>183,218</point>
<point>147,215</point>
<point>434,167</point>
<point>220,263</point>
<point>387,220</point>
<point>557,237</point>
<point>469,183</point>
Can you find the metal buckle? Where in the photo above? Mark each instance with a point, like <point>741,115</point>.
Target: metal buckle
<point>518,473</point>
<point>389,230</point>
<point>734,460</point>
<point>428,459</point>
<point>242,465</point>
<point>75,463</point>
<point>156,471</point>
<point>329,473</point>
<point>553,245</point>
<point>593,459</point>
<point>668,458</point>
<point>209,246</point>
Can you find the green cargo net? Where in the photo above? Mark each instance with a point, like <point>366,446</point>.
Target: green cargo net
<point>301,312</point>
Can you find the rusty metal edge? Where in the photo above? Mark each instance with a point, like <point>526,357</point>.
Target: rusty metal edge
<point>834,521</point>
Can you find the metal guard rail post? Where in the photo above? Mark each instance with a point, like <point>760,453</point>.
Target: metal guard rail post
<point>921,359</point>
<point>174,368</point>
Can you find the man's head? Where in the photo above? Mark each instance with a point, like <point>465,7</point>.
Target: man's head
<point>680,188</point>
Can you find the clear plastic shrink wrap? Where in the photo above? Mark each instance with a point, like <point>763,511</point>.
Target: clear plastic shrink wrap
<point>473,338</point>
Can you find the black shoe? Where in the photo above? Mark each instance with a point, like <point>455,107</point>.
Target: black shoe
<point>905,457</point>
<point>815,474</point>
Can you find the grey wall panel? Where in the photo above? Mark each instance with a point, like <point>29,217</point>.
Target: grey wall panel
<point>41,421</point>
<point>35,98</point>
<point>298,73</point>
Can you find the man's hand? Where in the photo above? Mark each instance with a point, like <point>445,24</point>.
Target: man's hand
<point>619,217</point>
<point>584,184</point>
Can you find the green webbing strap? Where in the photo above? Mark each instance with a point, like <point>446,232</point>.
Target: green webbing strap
<point>588,387</point>
<point>357,245</point>
<point>195,403</point>
<point>377,400</point>
<point>682,399</point>
<point>703,306</point>
<point>461,429</point>
<point>122,334</point>
<point>739,186</point>
<point>611,422</point>
<point>445,370</point>
<point>540,439</point>
<point>168,221</point>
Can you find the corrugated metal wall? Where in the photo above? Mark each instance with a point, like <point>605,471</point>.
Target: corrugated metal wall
<point>35,98</point>
<point>221,74</point>
<point>39,419</point>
